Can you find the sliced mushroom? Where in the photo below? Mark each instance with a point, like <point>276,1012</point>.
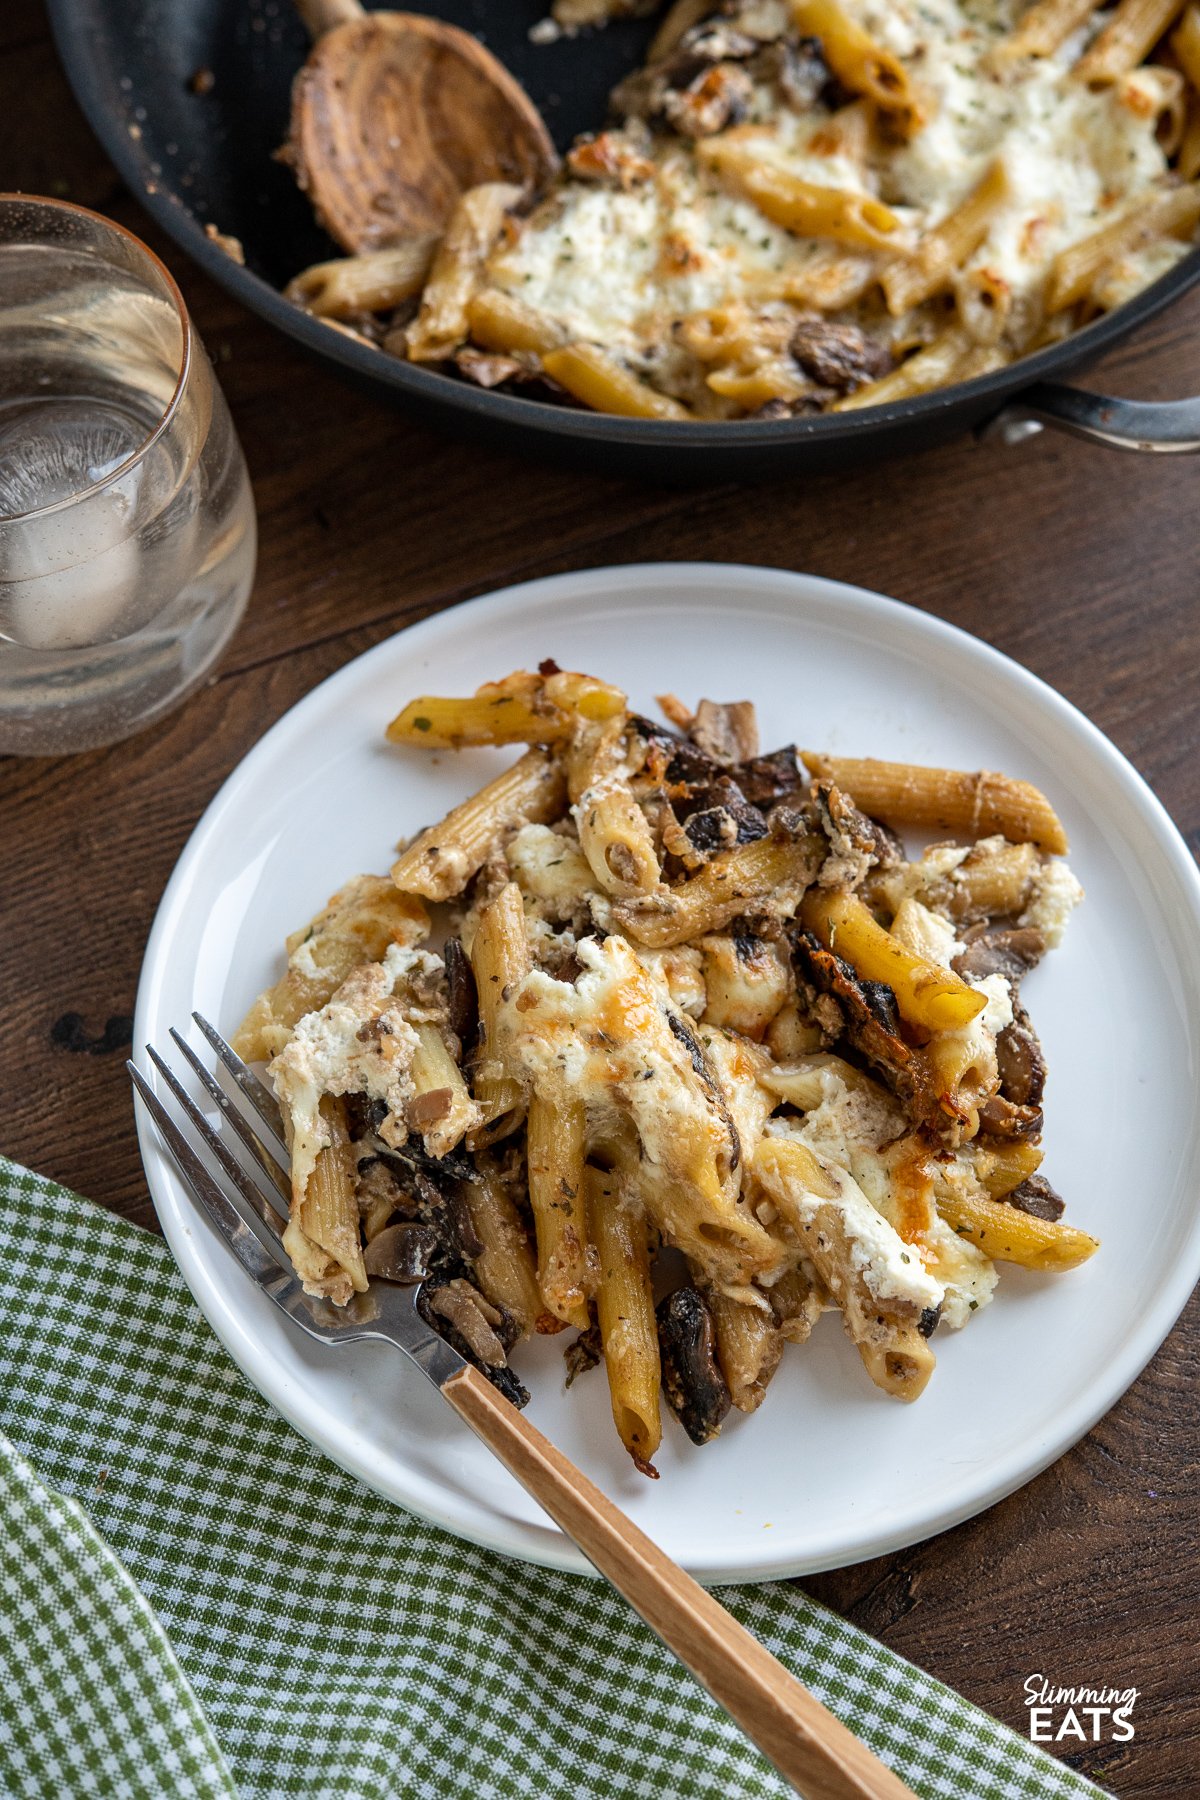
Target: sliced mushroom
<point>1035,1196</point>
<point>403,1253</point>
<point>614,157</point>
<point>838,357</point>
<point>462,993</point>
<point>856,843</point>
<point>477,1329</point>
<point>1001,1118</point>
<point>441,1207</point>
<point>726,730</point>
<point>798,70</point>
<point>1020,1061</point>
<point>486,369</point>
<point>715,99</point>
<point>681,1029</point>
<point>1009,950</point>
<point>692,1379</point>
<point>474,1318</point>
<point>719,817</point>
<point>765,779</point>
<point>582,1354</point>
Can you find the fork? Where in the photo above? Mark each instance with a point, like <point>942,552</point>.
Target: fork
<point>246,1201</point>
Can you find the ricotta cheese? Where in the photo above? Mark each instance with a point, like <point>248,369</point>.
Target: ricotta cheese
<point>360,1042</point>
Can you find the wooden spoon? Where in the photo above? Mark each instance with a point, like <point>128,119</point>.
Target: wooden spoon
<point>394,115</point>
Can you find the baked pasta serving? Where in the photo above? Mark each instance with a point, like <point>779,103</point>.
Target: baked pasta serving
<point>811,205</point>
<point>702,1054</point>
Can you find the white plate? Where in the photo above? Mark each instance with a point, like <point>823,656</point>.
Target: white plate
<point>829,1471</point>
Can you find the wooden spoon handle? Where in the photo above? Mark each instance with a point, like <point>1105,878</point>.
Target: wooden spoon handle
<point>812,1750</point>
<point>320,16</point>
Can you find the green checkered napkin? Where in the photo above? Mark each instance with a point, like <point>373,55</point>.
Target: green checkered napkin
<point>196,1603</point>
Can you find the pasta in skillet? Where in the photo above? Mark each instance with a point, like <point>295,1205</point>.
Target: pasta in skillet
<point>698,1029</point>
<point>803,206</point>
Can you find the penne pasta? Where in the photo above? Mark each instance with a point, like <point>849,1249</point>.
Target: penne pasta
<point>505,1268</point>
<point>1077,269</point>
<point>1133,30</point>
<point>524,709</point>
<point>556,1145</point>
<point>980,805</point>
<point>927,994</point>
<point>440,861</point>
<point>625,1315</point>
<point>601,382</point>
<point>753,877</point>
<point>749,1348</point>
<point>326,1208</point>
<point>356,926</point>
<point>614,833</point>
<point>877,1283</point>
<point>442,323</point>
<point>441,1109</point>
<point>1043,29</point>
<point>373,283</point>
<point>1009,1235</point>
<point>505,322</point>
<point>802,206</point>
<point>934,366</point>
<point>500,960</point>
<point>859,63</point>
<point>1185,42</point>
<point>943,251</point>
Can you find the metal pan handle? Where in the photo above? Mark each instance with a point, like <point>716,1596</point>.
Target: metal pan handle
<point>1168,427</point>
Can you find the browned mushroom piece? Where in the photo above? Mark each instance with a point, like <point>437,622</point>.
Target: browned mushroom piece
<point>856,843</point>
<point>462,994</point>
<point>615,157</point>
<point>1003,1118</point>
<point>767,779</point>
<point>433,1198</point>
<point>717,97</point>
<point>692,1378</point>
<point>582,1354</point>
<point>726,730</point>
<point>799,71</point>
<point>403,1253</point>
<point>1035,1196</point>
<point>395,115</point>
<point>838,357</point>
<point>479,1330</point>
<point>1008,950</point>
<point>1020,1060</point>
<point>720,817</point>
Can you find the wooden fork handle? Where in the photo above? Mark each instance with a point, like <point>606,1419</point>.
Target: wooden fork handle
<point>812,1750</point>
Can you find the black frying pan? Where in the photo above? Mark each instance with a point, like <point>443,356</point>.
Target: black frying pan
<point>196,157</point>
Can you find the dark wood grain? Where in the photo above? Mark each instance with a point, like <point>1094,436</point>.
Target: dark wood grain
<point>1081,563</point>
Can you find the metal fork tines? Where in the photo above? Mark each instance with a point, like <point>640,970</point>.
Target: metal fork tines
<point>246,1199</point>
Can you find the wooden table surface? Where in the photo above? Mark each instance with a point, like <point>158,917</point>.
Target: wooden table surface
<point>1080,563</point>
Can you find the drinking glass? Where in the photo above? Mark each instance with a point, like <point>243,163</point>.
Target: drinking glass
<point>127,533</point>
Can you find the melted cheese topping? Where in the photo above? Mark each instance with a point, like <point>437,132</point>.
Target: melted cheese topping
<point>361,1042</point>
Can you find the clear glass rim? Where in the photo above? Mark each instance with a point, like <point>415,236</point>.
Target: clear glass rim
<point>160,269</point>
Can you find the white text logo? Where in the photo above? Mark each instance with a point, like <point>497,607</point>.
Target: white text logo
<point>1089,1715</point>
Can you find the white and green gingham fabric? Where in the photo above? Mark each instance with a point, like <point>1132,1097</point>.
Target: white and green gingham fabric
<point>196,1605</point>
